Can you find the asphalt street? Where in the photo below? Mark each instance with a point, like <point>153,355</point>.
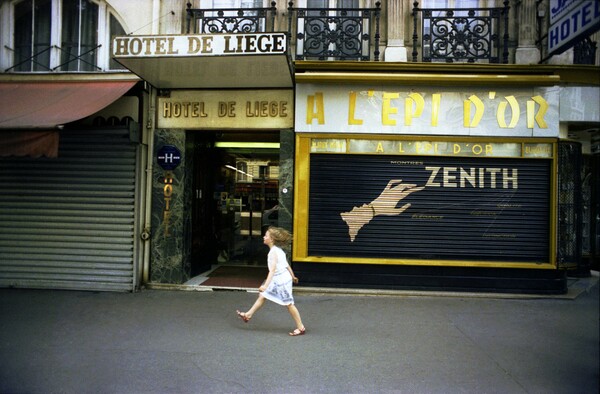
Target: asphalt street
<point>165,341</point>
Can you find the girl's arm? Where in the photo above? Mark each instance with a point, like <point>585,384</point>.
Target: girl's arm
<point>267,281</point>
<point>269,277</point>
<point>294,279</point>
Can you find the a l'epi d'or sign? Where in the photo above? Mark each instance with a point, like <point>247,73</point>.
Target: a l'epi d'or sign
<point>199,45</point>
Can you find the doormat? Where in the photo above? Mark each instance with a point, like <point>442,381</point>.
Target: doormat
<point>237,276</point>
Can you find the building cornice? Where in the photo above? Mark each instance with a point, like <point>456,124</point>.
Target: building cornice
<point>448,74</point>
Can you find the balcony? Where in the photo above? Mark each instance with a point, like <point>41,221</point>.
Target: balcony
<point>439,34</point>
<point>229,20</point>
<point>335,33</point>
<point>461,34</point>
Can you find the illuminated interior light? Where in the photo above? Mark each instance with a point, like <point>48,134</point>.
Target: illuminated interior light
<point>255,145</point>
<point>235,169</point>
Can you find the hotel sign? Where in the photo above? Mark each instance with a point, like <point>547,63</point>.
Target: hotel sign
<point>570,21</point>
<point>218,109</point>
<point>199,45</point>
<point>497,111</point>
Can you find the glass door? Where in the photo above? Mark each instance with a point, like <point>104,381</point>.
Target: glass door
<point>236,180</point>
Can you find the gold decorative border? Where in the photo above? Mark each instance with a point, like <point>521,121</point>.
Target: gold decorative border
<point>302,193</point>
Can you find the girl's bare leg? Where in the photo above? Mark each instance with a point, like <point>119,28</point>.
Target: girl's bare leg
<point>257,305</point>
<point>296,316</point>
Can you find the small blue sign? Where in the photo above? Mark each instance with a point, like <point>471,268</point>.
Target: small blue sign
<point>168,157</point>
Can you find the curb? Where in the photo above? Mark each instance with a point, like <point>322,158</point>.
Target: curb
<point>576,287</point>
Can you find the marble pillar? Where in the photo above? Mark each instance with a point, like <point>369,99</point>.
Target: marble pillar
<point>395,50</point>
<point>527,52</point>
<point>170,260</point>
<point>286,181</point>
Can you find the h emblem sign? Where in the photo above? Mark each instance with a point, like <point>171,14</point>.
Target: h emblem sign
<point>168,157</point>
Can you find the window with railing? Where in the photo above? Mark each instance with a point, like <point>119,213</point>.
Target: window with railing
<point>60,35</point>
<point>335,30</point>
<point>452,34</point>
<point>233,16</point>
<point>584,51</point>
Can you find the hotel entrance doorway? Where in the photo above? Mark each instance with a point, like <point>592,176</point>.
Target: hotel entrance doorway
<point>235,185</point>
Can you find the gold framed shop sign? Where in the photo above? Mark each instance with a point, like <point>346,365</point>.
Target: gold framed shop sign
<point>424,147</point>
<point>218,109</point>
<point>474,111</point>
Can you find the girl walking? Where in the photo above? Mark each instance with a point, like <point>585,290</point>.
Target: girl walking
<point>278,285</point>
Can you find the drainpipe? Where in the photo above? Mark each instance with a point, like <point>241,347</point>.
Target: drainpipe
<point>146,234</point>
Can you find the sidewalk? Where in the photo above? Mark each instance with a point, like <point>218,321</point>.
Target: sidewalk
<point>158,341</point>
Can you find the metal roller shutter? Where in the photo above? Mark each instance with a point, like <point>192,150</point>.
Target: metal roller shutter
<point>68,223</point>
<point>470,209</point>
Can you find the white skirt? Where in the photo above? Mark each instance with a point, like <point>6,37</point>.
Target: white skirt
<point>280,289</point>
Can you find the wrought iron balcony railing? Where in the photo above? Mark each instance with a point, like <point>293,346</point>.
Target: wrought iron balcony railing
<point>335,33</point>
<point>461,34</point>
<point>230,20</point>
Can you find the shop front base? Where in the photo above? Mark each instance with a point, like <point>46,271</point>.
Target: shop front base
<point>468,279</point>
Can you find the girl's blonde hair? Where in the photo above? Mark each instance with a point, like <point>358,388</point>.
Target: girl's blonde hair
<point>280,236</point>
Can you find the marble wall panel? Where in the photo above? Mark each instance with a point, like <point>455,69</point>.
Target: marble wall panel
<point>170,259</point>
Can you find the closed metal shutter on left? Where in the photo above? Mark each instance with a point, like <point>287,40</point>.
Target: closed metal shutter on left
<point>68,223</point>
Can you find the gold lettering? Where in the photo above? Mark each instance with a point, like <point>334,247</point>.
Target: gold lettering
<point>468,177</point>
<point>121,47</point>
<point>177,110</point>
<point>479,107</point>
<point>265,109</point>
<point>473,177</point>
<point>387,109</point>
<point>147,43</point>
<point>228,49</point>
<point>273,109</point>
<point>493,172</point>
<point>501,113</point>
<point>171,50</point>
<point>135,46</point>
<point>207,44</point>
<point>193,45</point>
<point>226,109</point>
<point>434,172</point>
<point>513,178</point>
<point>167,194</point>
<point>436,100</point>
<point>315,113</point>
<point>160,46</point>
<point>352,109</point>
<point>166,110</point>
<point>379,147</point>
<point>449,180</point>
<point>419,102</point>
<point>539,117</point>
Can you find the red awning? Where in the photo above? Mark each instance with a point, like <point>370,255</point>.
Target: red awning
<point>29,143</point>
<point>39,103</point>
